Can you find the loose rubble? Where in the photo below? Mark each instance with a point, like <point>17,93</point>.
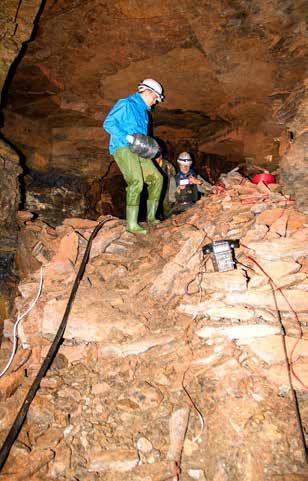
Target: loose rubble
<point>168,370</point>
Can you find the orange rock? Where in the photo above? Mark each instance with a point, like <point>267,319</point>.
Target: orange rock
<point>270,349</point>
<point>22,465</point>
<point>296,220</point>
<point>9,383</point>
<point>239,331</point>
<point>301,234</point>
<point>68,248</point>
<point>60,465</point>
<point>274,187</point>
<point>304,264</point>
<point>269,216</point>
<point>222,229</point>
<point>115,460</point>
<point>263,188</point>
<point>276,249</point>
<point>296,297</point>
<point>279,375</point>
<point>104,238</point>
<point>77,223</point>
<point>249,189</point>
<point>24,215</point>
<point>50,438</point>
<point>279,226</point>
<point>234,280</point>
<point>91,319</point>
<point>275,269</point>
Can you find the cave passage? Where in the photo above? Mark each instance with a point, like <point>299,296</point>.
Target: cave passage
<point>228,69</point>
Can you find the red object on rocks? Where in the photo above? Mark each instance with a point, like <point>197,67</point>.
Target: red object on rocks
<point>218,188</point>
<point>265,177</point>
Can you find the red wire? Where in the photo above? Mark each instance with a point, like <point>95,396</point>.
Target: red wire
<point>290,358</point>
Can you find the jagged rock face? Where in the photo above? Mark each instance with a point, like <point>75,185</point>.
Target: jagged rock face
<point>9,201</point>
<point>16,25</point>
<point>294,163</point>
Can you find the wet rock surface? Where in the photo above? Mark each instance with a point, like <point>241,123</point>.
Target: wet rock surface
<point>164,372</point>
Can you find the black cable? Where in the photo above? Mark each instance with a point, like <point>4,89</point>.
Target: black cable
<point>20,418</point>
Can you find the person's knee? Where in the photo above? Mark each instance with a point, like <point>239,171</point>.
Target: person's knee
<point>134,189</point>
<point>159,180</point>
<point>136,185</point>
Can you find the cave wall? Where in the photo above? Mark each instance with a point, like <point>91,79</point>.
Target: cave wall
<point>17,20</point>
<point>294,161</point>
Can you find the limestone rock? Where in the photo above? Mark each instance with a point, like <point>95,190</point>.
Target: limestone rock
<point>164,281</point>
<point>68,248</point>
<point>275,269</point>
<point>104,238</point>
<point>240,331</point>
<point>177,429</point>
<point>135,348</point>
<point>24,215</point>
<point>77,223</point>
<point>9,383</point>
<point>229,281</point>
<point>21,467</point>
<point>90,319</point>
<point>144,445</point>
<point>297,298</point>
<point>270,216</point>
<point>113,460</point>
<point>218,309</point>
<point>270,348</point>
<point>280,249</point>
<point>280,377</point>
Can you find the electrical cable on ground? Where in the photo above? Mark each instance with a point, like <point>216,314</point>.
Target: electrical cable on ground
<point>289,359</point>
<point>300,331</point>
<point>22,413</point>
<point>195,407</point>
<point>19,318</point>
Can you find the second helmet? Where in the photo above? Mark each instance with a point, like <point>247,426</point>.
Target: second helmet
<point>184,158</point>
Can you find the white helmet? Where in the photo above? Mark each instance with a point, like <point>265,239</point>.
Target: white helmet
<point>184,158</point>
<point>150,84</point>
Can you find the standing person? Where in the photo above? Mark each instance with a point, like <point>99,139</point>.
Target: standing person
<point>130,116</point>
<point>169,187</point>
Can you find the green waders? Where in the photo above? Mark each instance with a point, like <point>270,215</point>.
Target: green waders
<point>136,171</point>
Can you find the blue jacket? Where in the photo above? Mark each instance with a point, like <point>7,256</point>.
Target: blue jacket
<point>180,175</point>
<point>127,116</point>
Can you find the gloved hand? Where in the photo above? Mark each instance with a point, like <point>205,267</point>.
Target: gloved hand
<point>143,145</point>
<point>194,180</point>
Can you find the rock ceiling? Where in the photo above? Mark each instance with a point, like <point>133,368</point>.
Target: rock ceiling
<point>227,67</point>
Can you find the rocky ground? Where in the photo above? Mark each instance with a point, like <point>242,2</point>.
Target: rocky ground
<point>168,370</point>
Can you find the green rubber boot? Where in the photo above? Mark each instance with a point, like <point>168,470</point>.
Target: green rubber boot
<point>132,224</point>
<point>152,208</point>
